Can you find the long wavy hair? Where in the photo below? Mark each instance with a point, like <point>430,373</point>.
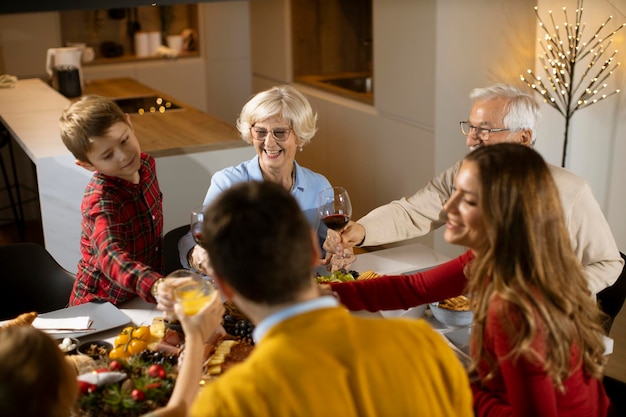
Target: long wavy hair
<point>528,265</point>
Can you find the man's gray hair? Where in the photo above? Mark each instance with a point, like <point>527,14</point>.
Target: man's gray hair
<point>521,111</point>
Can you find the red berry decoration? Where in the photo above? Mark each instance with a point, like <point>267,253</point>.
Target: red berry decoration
<point>116,366</point>
<point>137,395</point>
<point>157,371</point>
<point>86,387</point>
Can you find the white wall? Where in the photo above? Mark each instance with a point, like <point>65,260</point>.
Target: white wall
<point>225,46</point>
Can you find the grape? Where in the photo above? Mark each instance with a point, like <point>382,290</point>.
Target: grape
<point>238,327</point>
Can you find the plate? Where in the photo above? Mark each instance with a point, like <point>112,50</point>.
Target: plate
<point>104,316</point>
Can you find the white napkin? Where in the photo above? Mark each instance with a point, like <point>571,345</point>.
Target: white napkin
<point>63,324</point>
<point>102,378</point>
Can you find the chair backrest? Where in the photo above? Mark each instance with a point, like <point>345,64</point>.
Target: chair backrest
<point>616,391</point>
<point>170,248</point>
<point>31,280</point>
<point>611,299</point>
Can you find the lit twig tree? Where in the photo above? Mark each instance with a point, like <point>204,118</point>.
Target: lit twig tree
<point>563,52</point>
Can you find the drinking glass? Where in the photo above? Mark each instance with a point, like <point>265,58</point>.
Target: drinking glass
<point>335,209</point>
<point>197,217</point>
<point>195,293</point>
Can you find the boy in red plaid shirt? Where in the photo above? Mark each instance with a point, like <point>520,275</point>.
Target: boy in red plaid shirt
<point>122,208</point>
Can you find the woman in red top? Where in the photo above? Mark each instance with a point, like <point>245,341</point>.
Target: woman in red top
<point>536,340</point>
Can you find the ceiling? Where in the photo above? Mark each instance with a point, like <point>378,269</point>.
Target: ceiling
<point>25,6</point>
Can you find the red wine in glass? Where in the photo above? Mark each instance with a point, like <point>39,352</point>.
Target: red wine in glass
<point>336,221</point>
<point>335,209</point>
<point>196,232</point>
<point>197,216</point>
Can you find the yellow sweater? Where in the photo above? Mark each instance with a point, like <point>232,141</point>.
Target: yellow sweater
<point>328,362</point>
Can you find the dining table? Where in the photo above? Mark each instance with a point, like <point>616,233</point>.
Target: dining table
<point>402,259</point>
<point>389,261</point>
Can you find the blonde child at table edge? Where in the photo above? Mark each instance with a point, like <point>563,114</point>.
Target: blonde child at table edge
<point>36,380</point>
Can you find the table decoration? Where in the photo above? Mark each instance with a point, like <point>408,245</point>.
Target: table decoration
<point>126,387</point>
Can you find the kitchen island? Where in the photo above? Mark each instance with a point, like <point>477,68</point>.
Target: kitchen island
<point>188,145</point>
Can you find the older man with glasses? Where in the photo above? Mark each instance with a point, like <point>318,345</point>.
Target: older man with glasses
<point>500,113</point>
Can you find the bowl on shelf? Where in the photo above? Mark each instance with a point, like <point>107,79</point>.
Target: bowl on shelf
<point>451,318</point>
<point>95,348</point>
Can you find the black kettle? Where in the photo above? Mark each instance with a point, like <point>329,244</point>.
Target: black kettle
<point>66,79</point>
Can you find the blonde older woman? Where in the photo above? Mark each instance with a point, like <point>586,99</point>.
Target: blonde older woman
<point>279,123</point>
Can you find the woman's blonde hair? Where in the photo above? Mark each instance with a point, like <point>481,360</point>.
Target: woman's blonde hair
<point>283,101</point>
<point>37,380</point>
<point>529,269</point>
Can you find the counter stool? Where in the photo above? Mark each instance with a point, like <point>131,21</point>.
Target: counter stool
<point>16,202</point>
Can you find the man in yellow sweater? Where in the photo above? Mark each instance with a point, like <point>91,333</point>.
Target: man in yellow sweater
<point>312,357</point>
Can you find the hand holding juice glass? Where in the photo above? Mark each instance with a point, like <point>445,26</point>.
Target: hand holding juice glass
<point>195,294</point>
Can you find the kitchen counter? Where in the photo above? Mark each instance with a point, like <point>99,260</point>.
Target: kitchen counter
<point>188,145</point>
<point>172,132</point>
<point>183,131</point>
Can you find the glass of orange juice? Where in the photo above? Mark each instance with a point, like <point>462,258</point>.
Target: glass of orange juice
<point>194,294</point>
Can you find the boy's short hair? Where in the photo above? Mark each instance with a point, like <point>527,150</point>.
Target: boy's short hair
<point>89,117</point>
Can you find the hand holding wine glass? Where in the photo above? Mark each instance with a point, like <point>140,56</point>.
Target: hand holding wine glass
<point>197,217</point>
<point>335,210</point>
<point>198,258</point>
<point>335,207</point>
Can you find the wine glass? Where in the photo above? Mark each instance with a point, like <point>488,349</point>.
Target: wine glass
<point>335,209</point>
<point>197,217</point>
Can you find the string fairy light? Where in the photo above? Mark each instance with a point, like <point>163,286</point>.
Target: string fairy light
<point>563,51</point>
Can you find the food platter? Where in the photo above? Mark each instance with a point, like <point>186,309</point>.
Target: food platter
<point>343,275</point>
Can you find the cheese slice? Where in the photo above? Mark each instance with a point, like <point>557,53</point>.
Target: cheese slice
<point>222,350</point>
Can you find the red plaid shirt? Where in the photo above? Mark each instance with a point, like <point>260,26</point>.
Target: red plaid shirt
<point>121,239</point>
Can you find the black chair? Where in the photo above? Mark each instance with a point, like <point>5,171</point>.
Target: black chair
<point>170,248</point>
<point>616,391</point>
<point>32,280</point>
<point>611,299</point>
<point>15,201</point>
